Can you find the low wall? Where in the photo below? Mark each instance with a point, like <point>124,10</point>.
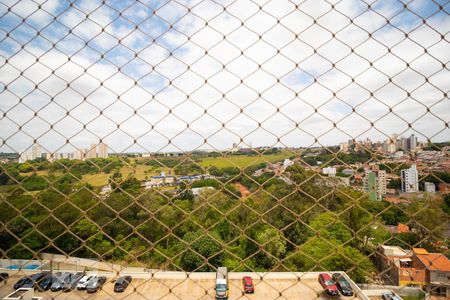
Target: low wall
<point>377,290</point>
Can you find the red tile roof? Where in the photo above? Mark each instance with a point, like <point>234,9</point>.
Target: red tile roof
<point>402,228</point>
<point>433,261</point>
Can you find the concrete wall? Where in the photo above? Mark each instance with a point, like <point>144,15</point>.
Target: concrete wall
<point>377,290</point>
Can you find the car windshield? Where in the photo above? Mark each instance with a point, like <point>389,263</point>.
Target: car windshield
<point>343,282</point>
<point>329,282</point>
<point>58,280</point>
<point>221,287</point>
<point>92,282</point>
<point>46,280</point>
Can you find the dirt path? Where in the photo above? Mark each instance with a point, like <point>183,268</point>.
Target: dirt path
<point>243,190</point>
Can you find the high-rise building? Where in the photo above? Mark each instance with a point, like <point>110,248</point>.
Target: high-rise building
<point>31,153</point>
<point>102,150</point>
<point>78,154</point>
<point>410,180</point>
<point>36,151</point>
<point>92,152</point>
<point>412,143</point>
<point>402,143</point>
<point>375,184</point>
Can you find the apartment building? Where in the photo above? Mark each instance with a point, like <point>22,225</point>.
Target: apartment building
<point>374,184</point>
<point>410,180</point>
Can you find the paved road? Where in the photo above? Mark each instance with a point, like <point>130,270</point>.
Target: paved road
<point>188,289</point>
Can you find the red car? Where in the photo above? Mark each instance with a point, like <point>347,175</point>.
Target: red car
<point>247,282</point>
<point>328,284</point>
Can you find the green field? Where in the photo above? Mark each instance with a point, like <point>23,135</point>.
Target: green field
<point>141,171</point>
<point>242,161</point>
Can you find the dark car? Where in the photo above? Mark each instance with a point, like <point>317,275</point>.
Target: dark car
<point>72,281</point>
<point>3,276</point>
<point>342,284</point>
<point>328,284</point>
<point>45,283</point>
<point>95,283</point>
<point>59,280</point>
<point>122,283</point>
<point>22,281</point>
<point>247,282</point>
<point>34,279</point>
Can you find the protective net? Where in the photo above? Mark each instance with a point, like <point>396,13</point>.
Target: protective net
<point>281,139</point>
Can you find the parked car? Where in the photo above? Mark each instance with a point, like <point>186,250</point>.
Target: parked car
<point>122,283</point>
<point>328,284</point>
<point>59,280</point>
<point>95,284</point>
<point>342,284</point>
<point>3,276</point>
<point>390,296</point>
<point>34,279</point>
<point>22,281</point>
<point>247,282</point>
<point>72,281</point>
<point>45,283</point>
<point>83,282</point>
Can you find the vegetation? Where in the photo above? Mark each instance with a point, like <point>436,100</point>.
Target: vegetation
<point>304,226</point>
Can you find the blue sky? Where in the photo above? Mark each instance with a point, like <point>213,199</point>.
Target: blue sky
<point>158,79</point>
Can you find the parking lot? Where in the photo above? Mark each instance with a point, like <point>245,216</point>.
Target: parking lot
<point>190,289</point>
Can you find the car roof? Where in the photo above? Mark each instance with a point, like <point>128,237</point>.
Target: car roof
<point>247,278</point>
<point>325,276</point>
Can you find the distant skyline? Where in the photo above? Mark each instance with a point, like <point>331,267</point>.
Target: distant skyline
<point>179,76</point>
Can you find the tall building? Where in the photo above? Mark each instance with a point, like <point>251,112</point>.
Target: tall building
<point>402,143</point>
<point>92,152</point>
<point>31,153</point>
<point>102,150</point>
<point>410,180</point>
<point>78,154</point>
<point>375,184</point>
<point>412,143</point>
<point>36,151</point>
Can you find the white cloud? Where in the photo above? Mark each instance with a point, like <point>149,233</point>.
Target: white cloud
<point>171,90</point>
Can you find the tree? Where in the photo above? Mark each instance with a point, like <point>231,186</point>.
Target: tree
<point>115,180</point>
<point>272,241</point>
<point>329,227</point>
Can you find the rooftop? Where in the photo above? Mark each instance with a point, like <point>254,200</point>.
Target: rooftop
<point>179,285</point>
<point>433,261</point>
<point>394,251</point>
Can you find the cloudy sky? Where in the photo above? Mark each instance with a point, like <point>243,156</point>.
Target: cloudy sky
<point>190,74</point>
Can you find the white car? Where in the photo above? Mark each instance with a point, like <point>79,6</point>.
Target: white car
<point>84,281</point>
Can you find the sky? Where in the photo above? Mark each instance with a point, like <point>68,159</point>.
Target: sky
<point>184,75</point>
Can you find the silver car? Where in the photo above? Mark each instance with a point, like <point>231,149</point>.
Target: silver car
<point>83,282</point>
<point>95,284</point>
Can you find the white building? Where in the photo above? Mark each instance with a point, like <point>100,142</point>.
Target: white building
<point>429,187</point>
<point>78,154</point>
<point>31,153</point>
<point>92,152</point>
<point>330,171</point>
<point>410,180</point>
<point>287,163</point>
<point>102,150</point>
